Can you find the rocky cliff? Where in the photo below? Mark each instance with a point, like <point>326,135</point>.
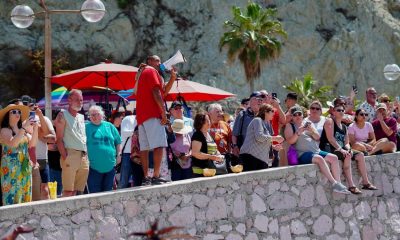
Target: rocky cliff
<point>341,42</point>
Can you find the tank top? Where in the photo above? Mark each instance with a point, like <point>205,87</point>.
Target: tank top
<point>339,135</point>
<point>74,133</point>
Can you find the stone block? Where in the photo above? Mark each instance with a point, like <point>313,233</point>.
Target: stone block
<point>261,223</point>
<point>257,204</point>
<point>46,223</point>
<point>284,187</point>
<point>155,207</point>
<point>307,197</point>
<point>368,233</point>
<point>321,196</point>
<point>297,227</point>
<point>213,237</point>
<point>334,237</point>
<point>182,217</point>
<point>132,209</point>
<point>82,233</point>
<point>216,209</point>
<point>259,191</point>
<point>339,225</point>
<point>273,187</point>
<point>241,228</point>
<point>239,207</point>
<point>81,217</point>
<point>363,210</point>
<point>108,228</point>
<point>396,185</point>
<point>201,200</point>
<point>171,203</point>
<point>382,214</point>
<point>322,225</point>
<point>251,236</point>
<point>394,223</point>
<point>281,201</point>
<point>346,210</point>
<point>284,233</point>
<point>225,228</point>
<point>387,185</point>
<point>294,190</point>
<point>393,205</point>
<point>233,236</point>
<point>273,226</point>
<point>97,214</point>
<point>60,234</point>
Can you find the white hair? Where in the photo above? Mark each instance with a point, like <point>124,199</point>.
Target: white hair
<point>97,109</point>
<point>74,91</point>
<point>213,106</point>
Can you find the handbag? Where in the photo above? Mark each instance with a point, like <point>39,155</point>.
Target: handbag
<point>292,153</point>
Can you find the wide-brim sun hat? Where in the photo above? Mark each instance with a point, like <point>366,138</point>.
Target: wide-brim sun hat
<point>178,126</point>
<point>24,111</point>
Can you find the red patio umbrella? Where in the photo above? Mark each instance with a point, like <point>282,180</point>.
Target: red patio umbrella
<point>193,91</point>
<point>106,74</point>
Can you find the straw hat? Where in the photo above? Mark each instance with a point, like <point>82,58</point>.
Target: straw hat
<point>178,126</point>
<point>24,111</point>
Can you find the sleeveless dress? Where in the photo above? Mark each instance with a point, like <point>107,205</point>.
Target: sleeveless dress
<point>16,174</point>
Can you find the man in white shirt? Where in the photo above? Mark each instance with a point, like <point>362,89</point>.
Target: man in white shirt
<point>128,125</point>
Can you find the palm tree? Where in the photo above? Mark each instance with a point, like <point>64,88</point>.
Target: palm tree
<point>252,38</point>
<point>308,92</point>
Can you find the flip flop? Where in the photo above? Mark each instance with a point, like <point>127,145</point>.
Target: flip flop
<point>369,186</point>
<point>354,190</point>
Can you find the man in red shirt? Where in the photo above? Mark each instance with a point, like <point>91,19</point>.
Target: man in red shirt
<point>385,126</point>
<point>151,116</point>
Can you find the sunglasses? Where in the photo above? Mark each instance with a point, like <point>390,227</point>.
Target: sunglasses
<point>177,108</point>
<point>297,114</point>
<point>363,114</point>
<point>339,110</point>
<point>15,112</point>
<point>273,111</point>
<point>263,96</point>
<point>315,108</point>
<point>385,100</point>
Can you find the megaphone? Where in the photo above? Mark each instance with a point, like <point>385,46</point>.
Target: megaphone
<point>177,58</point>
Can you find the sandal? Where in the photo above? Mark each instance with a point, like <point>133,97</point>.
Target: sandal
<point>369,186</point>
<point>354,190</point>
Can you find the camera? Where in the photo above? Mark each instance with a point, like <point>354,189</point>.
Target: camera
<point>307,124</point>
<point>32,116</point>
<point>355,90</point>
<point>274,95</point>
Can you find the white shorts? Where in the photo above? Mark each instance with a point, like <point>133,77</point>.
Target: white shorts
<point>152,135</point>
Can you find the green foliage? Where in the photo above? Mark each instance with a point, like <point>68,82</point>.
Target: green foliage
<point>253,38</point>
<point>307,91</point>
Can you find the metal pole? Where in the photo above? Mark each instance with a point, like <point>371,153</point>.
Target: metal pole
<point>107,111</point>
<point>47,64</point>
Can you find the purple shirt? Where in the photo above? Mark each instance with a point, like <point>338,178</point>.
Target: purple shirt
<point>379,133</point>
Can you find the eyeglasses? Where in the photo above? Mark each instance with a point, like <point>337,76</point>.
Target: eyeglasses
<point>339,110</point>
<point>315,108</point>
<point>372,93</point>
<point>363,114</point>
<point>297,114</point>
<point>15,112</point>
<point>177,108</point>
<point>95,114</point>
<point>263,96</point>
<point>273,111</point>
<point>385,100</point>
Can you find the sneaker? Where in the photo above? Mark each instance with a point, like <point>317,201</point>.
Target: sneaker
<point>146,181</point>
<point>340,188</point>
<point>158,180</point>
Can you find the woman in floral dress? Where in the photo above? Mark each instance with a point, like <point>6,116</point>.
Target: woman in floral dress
<point>16,169</point>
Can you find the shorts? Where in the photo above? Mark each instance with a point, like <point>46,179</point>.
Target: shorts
<point>75,170</point>
<point>44,170</point>
<point>152,135</point>
<point>353,157</point>
<point>306,158</point>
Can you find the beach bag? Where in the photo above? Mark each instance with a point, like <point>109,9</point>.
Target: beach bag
<point>292,153</point>
<point>220,167</point>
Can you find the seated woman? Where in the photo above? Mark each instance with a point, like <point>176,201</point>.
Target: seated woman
<point>204,147</point>
<point>335,139</point>
<point>103,145</point>
<point>315,116</point>
<point>362,136</point>
<point>254,153</point>
<point>305,139</point>
<point>16,175</point>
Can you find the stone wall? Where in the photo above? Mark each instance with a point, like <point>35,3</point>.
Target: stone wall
<point>285,203</point>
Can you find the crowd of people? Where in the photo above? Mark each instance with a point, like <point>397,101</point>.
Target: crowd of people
<point>156,145</point>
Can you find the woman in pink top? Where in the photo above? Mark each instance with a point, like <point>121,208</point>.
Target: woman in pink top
<point>362,136</point>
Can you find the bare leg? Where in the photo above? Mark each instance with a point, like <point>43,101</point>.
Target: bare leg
<point>144,159</point>
<point>384,145</point>
<point>157,157</point>
<point>362,168</point>
<point>347,171</point>
<point>359,147</point>
<point>323,167</point>
<point>334,162</point>
<point>44,191</point>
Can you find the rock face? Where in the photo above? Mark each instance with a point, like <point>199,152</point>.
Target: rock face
<point>340,42</point>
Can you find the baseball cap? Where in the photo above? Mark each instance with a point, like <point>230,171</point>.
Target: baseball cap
<point>244,101</point>
<point>296,109</point>
<point>255,94</point>
<point>380,106</point>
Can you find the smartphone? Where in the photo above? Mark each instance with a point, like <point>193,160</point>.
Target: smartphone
<point>32,116</point>
<point>397,99</point>
<point>355,90</point>
<point>274,95</point>
<point>307,124</point>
